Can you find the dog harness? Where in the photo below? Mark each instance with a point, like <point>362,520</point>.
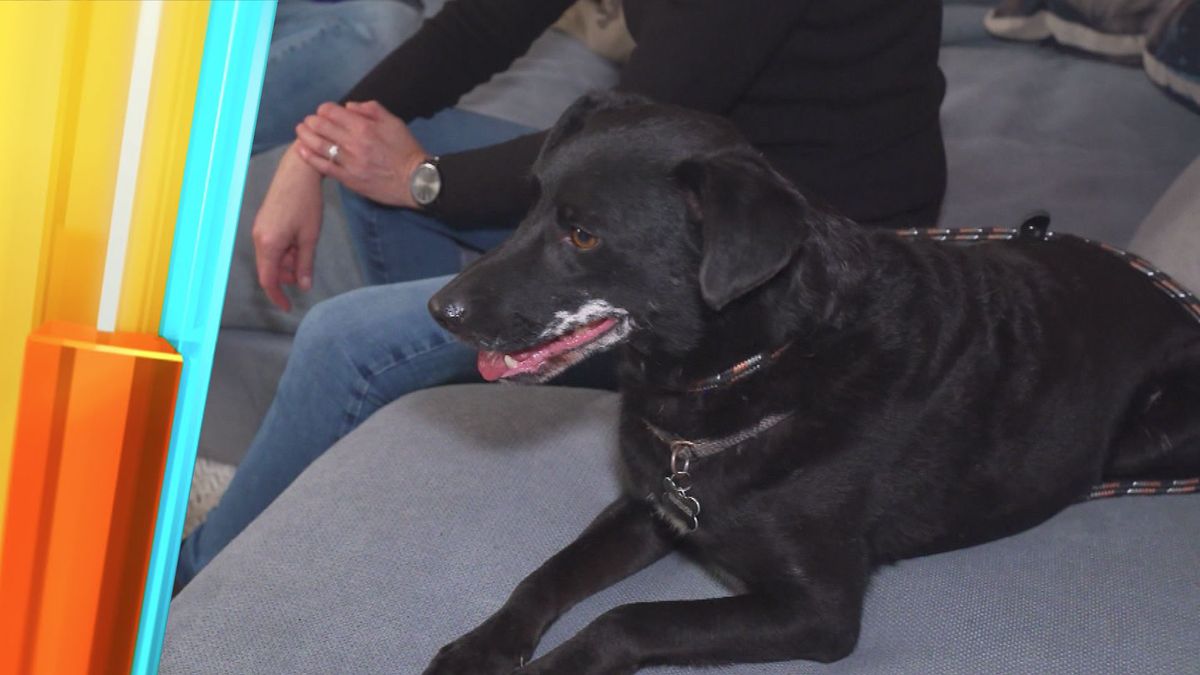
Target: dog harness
<point>1037,227</point>
<point>681,511</point>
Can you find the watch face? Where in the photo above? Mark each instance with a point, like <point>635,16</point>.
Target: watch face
<point>426,183</point>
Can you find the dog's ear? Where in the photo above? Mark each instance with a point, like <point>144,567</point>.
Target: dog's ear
<point>573,118</point>
<point>751,221</point>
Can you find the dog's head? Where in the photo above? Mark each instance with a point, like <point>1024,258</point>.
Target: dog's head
<point>650,223</point>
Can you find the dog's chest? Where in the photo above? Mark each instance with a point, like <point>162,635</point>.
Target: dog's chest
<point>695,497</point>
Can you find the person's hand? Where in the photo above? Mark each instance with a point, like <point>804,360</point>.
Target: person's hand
<point>376,153</point>
<point>286,229</point>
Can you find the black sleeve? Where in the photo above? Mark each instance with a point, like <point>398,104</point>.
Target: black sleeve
<point>701,54</point>
<point>489,186</point>
<point>454,51</point>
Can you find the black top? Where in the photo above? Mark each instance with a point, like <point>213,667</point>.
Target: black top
<point>841,95</point>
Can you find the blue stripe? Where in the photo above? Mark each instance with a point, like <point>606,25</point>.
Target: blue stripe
<point>231,75</point>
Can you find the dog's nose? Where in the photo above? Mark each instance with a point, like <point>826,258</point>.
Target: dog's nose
<point>448,312</point>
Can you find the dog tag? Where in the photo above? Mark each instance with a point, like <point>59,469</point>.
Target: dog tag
<point>676,506</point>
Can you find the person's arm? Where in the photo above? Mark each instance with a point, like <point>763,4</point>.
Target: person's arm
<point>488,184</point>
<point>454,51</point>
<point>700,54</point>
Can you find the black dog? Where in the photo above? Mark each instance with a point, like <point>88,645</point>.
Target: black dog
<point>878,398</point>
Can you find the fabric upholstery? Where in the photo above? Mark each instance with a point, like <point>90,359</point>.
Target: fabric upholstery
<point>415,527</point>
<point>247,367</point>
<point>1170,235</point>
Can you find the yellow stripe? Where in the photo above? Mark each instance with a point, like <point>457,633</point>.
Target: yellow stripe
<point>71,63</point>
<point>164,148</point>
<point>137,104</point>
<point>118,350</point>
<point>76,267</point>
<point>68,65</point>
<point>33,49</point>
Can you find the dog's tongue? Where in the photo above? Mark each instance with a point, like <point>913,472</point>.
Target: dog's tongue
<point>491,365</point>
<point>496,365</point>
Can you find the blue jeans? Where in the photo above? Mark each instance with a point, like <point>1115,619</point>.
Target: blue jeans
<point>361,350</point>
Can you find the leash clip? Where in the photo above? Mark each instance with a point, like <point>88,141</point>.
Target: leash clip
<point>1035,226</point>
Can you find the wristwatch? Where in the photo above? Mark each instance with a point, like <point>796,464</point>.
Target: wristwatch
<point>426,182</point>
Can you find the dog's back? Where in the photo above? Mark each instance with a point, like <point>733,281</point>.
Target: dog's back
<point>1034,369</point>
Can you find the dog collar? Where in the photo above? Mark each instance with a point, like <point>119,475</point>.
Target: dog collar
<point>738,371</point>
<point>675,506</point>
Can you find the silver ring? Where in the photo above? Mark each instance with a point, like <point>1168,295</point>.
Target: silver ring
<point>333,152</point>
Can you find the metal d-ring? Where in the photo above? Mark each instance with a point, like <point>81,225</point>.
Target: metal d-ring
<point>681,451</point>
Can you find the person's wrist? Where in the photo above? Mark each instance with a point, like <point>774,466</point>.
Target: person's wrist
<point>296,165</point>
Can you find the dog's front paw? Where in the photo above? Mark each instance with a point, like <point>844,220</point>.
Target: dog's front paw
<point>459,658</point>
<point>581,656</point>
<point>487,650</point>
<point>583,666</point>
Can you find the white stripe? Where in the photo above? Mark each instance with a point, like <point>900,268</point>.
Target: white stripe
<point>149,17</point>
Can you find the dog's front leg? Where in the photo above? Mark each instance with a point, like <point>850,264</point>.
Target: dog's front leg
<point>806,618</point>
<point>623,539</point>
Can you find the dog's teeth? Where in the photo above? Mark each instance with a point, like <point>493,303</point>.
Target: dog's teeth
<point>510,361</point>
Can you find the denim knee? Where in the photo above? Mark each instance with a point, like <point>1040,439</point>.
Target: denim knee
<point>357,334</point>
<point>325,334</point>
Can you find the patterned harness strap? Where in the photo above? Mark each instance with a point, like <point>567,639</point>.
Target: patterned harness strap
<point>1036,227</point>
<point>1121,488</point>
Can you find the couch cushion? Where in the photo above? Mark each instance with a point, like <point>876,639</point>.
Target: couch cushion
<point>416,526</point>
<point>1170,235</point>
<point>246,369</point>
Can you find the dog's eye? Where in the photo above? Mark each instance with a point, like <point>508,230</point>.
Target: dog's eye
<point>583,240</point>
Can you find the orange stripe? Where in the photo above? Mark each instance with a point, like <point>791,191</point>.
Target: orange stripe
<point>35,467</point>
<point>93,432</point>
<point>143,457</point>
<point>83,509</point>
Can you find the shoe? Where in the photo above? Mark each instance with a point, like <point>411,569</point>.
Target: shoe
<point>1172,52</point>
<point>1023,20</point>
<point>1112,29</point>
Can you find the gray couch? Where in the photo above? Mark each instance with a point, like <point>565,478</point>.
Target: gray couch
<point>415,527</point>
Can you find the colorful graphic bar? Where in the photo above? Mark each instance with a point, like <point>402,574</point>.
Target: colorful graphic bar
<point>133,139</point>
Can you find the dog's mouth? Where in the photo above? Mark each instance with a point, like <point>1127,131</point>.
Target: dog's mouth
<point>549,358</point>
